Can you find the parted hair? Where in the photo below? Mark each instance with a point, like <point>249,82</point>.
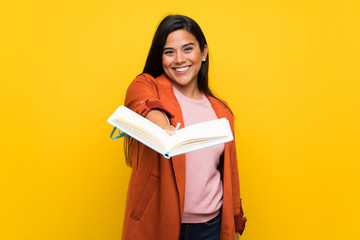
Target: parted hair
<point>169,24</point>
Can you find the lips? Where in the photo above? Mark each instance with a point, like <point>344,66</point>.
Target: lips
<point>181,69</point>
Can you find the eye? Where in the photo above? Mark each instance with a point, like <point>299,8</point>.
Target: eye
<point>188,49</point>
<point>168,52</point>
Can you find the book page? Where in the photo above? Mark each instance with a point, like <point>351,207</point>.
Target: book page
<point>201,135</point>
<point>141,129</point>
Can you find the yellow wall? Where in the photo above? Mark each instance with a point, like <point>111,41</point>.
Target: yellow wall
<point>289,69</point>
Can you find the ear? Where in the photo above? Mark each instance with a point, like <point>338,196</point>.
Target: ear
<point>204,53</point>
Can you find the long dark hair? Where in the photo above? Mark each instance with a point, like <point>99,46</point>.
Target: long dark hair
<point>169,24</point>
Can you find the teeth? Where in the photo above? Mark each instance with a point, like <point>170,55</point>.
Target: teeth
<point>182,69</point>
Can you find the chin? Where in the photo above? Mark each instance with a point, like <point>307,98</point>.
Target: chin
<point>182,82</point>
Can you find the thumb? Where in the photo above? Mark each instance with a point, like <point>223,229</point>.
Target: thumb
<point>169,130</point>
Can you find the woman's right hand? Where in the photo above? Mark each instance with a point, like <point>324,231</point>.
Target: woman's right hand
<point>170,130</point>
<point>159,118</point>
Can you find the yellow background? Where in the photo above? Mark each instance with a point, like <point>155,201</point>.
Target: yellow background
<point>289,69</point>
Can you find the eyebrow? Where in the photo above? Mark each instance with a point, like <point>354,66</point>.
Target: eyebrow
<point>185,45</point>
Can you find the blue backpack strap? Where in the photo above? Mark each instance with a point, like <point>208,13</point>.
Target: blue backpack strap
<point>121,134</point>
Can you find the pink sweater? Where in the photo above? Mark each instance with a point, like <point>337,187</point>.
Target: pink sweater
<point>203,187</point>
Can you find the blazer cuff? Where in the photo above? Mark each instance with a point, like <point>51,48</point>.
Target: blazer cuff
<point>240,221</point>
<point>143,108</point>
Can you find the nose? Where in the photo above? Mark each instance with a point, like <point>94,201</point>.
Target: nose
<point>180,58</point>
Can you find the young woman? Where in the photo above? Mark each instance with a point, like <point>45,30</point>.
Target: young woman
<point>194,195</point>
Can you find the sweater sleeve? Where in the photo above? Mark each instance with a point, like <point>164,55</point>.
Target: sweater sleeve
<point>142,96</point>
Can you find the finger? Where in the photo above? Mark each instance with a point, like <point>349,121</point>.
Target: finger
<point>170,130</point>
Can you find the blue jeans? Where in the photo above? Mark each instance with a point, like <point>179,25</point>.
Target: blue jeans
<point>209,230</point>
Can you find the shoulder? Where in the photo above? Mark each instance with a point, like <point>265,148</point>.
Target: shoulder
<point>144,77</point>
<point>221,105</point>
<point>141,82</point>
<point>222,109</point>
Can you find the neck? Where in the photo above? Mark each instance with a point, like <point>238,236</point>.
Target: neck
<point>189,90</point>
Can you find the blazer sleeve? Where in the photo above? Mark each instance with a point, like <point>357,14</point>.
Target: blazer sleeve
<point>142,96</point>
<point>239,217</point>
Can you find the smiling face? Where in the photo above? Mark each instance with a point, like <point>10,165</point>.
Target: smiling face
<point>181,61</point>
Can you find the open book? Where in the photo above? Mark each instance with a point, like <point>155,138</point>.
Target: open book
<point>187,139</point>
